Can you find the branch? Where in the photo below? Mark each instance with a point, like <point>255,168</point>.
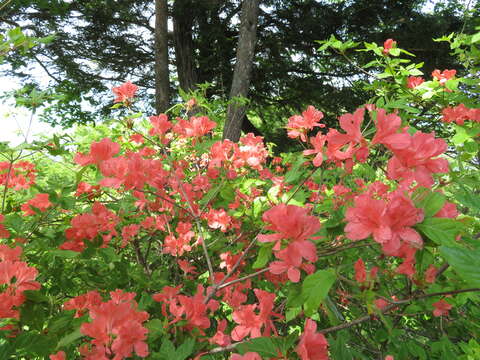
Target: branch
<point>390,307</point>
<point>243,278</point>
<point>221,283</point>
<point>45,69</point>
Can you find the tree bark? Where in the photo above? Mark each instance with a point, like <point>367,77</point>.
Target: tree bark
<point>162,82</point>
<point>183,19</point>
<point>243,69</point>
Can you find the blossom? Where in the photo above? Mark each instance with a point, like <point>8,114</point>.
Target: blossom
<point>100,151</point>
<point>299,125</point>
<point>360,272</point>
<point>431,274</point>
<point>417,162</point>
<point>342,147</point>
<point>388,220</point>
<point>87,226</point>
<point>387,131</point>
<point>125,92</point>
<point>83,303</point>
<point>218,219</point>
<point>291,259</point>
<point>249,321</point>
<point>449,210</point>
<point>195,127</point>
<point>380,303</point>
<point>19,175</point>
<point>289,222</point>
<point>388,45</point>
<point>160,125</point>
<point>116,328</point>
<point>40,202</point>
<point>414,81</point>
<point>441,308</point>
<point>15,277</point>
<point>312,345</point>
<point>443,76</point>
<point>251,151</point>
<point>58,356</point>
<point>459,114</point>
<point>318,143</point>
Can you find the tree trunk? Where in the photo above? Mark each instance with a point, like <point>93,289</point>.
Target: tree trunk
<point>183,18</point>
<point>162,82</point>
<point>243,69</point>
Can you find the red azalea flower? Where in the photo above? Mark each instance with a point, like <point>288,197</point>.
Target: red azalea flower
<point>441,308</point>
<point>414,81</point>
<point>125,92</point>
<point>443,76</point>
<point>388,45</point>
<point>360,272</point>
<point>312,345</point>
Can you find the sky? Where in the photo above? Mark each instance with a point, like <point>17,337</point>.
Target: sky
<point>15,121</point>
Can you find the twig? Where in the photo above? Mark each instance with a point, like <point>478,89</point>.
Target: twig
<point>232,270</point>
<point>243,278</point>
<point>390,307</point>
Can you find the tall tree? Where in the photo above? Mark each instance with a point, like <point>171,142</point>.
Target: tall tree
<point>243,69</point>
<point>101,43</point>
<point>162,78</point>
<point>183,22</point>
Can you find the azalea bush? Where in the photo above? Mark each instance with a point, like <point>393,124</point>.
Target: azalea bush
<point>150,237</point>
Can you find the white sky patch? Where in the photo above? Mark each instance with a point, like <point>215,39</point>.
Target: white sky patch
<point>16,123</point>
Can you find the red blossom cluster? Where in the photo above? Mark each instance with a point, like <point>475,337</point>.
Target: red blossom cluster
<point>116,326</point>
<point>192,309</point>
<point>4,233</point>
<point>17,176</point>
<point>388,45</point>
<point>39,202</point>
<point>232,157</point>
<point>125,92</point>
<point>87,226</point>
<point>459,114</point>
<point>15,277</point>
<point>295,226</point>
<point>250,322</point>
<point>441,308</point>
<point>443,76</point>
<point>312,345</point>
<point>388,216</point>
<point>414,81</point>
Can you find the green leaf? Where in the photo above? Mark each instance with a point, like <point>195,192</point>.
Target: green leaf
<point>315,288</point>
<point>430,201</point>
<point>416,350</point>
<point>264,346</point>
<point>263,256</point>
<point>65,254</point>
<point>460,136</point>
<point>185,350</point>
<point>36,296</point>
<point>469,199</point>
<point>296,171</point>
<point>466,262</point>
<point>475,38</point>
<point>68,339</point>
<point>167,350</point>
<point>441,230</point>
